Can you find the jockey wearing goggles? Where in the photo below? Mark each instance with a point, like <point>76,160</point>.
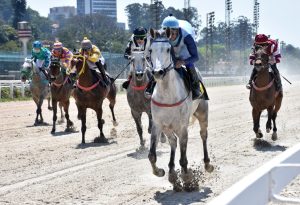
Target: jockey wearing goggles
<point>64,54</point>
<point>41,57</point>
<point>94,57</point>
<point>139,41</point>
<point>272,49</point>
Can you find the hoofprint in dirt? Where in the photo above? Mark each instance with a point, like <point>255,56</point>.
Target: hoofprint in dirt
<point>38,168</point>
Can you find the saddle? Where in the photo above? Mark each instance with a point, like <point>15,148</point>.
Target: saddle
<point>183,73</point>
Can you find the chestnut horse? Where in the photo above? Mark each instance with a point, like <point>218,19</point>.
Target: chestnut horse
<point>90,93</point>
<point>61,89</point>
<point>263,94</point>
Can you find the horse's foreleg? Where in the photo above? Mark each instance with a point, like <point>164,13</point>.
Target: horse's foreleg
<point>183,139</point>
<point>62,117</point>
<point>41,100</point>
<point>49,105</point>
<point>274,116</point>
<point>101,138</point>
<point>54,104</point>
<point>173,176</point>
<point>269,123</point>
<point>137,119</point>
<point>256,116</point>
<point>150,121</point>
<point>66,109</point>
<point>152,153</point>
<point>82,117</point>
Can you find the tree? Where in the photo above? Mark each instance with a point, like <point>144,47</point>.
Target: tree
<point>19,8</point>
<point>6,10</point>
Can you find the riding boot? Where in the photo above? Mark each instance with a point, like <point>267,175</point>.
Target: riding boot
<point>249,85</point>
<point>277,78</point>
<point>102,71</point>
<point>126,83</point>
<point>150,87</point>
<point>195,83</point>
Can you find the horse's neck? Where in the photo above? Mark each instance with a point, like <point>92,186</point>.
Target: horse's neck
<point>263,78</point>
<point>86,77</point>
<point>171,87</point>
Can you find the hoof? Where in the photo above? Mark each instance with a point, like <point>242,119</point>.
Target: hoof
<point>209,168</point>
<point>101,139</point>
<point>159,172</point>
<point>53,131</point>
<point>163,138</point>
<point>274,136</point>
<point>268,130</point>
<point>259,134</point>
<point>115,123</point>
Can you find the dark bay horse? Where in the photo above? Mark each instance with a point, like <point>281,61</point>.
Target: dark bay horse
<point>135,92</point>
<point>90,93</point>
<point>39,86</point>
<point>61,89</point>
<point>263,94</point>
<point>171,107</point>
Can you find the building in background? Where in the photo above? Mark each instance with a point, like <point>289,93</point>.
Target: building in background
<point>57,13</point>
<point>103,7</point>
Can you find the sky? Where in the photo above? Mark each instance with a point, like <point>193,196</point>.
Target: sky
<point>277,18</point>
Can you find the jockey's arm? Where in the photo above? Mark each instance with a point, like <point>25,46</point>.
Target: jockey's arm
<point>96,54</point>
<point>47,56</point>
<point>127,53</point>
<point>192,48</point>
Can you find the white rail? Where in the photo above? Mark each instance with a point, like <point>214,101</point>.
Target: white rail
<point>209,82</point>
<point>265,184</point>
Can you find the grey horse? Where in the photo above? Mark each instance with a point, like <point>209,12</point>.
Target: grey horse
<point>172,107</point>
<point>39,86</point>
<point>135,92</point>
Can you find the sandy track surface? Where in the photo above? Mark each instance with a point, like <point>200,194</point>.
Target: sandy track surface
<point>39,168</point>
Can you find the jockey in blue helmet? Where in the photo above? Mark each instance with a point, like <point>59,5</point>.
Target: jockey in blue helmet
<point>185,51</point>
<point>41,57</point>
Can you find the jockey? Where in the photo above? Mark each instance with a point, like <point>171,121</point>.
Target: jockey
<point>139,41</point>
<point>184,52</point>
<point>65,55</point>
<point>273,51</point>
<point>94,57</point>
<point>41,56</point>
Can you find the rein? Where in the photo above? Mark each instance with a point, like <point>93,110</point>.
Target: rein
<point>83,65</point>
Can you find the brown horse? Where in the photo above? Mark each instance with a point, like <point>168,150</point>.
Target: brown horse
<point>90,93</point>
<point>263,94</point>
<point>61,90</point>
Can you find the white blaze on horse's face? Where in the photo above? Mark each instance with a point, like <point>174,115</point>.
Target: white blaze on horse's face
<point>160,57</point>
<point>137,64</point>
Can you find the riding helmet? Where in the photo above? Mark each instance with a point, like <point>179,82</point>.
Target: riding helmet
<point>37,44</point>
<point>140,32</point>
<point>171,22</point>
<point>86,44</point>
<point>261,39</point>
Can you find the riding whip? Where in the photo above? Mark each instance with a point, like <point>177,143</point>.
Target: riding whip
<point>120,72</point>
<point>285,79</point>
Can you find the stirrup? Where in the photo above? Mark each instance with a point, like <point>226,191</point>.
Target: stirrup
<point>249,86</point>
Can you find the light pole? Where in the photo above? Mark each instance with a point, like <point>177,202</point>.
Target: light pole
<point>24,35</point>
<point>210,25</point>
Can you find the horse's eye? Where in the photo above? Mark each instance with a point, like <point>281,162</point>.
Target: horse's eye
<point>150,50</point>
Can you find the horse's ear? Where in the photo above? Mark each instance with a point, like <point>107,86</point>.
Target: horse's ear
<point>152,33</point>
<point>168,32</point>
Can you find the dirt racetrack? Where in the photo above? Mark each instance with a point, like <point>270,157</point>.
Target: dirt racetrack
<point>39,168</point>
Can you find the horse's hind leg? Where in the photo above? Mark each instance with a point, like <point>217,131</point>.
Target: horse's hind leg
<point>150,121</point>
<point>138,122</point>
<point>269,123</point>
<point>62,117</point>
<point>111,106</point>
<point>49,105</point>
<point>54,105</point>
<point>152,153</point>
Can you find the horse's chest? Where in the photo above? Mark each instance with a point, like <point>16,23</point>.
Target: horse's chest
<point>138,102</point>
